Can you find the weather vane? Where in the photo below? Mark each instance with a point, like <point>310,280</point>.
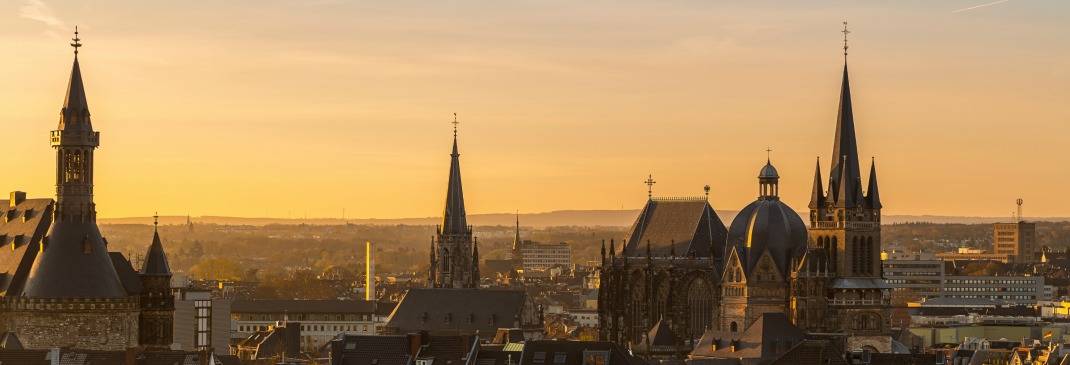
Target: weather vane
<point>77,41</point>
<point>845,33</point>
<point>650,185</point>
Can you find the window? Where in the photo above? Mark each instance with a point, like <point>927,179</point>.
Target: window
<point>539,357</point>
<point>203,332</point>
<point>559,357</point>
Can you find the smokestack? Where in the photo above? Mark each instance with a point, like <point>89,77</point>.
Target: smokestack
<point>369,273</point>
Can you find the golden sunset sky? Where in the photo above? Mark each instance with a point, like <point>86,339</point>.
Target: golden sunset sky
<point>282,108</point>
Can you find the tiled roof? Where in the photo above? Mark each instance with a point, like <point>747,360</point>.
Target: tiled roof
<point>770,335</point>
<point>21,230</point>
<point>456,310</point>
<point>156,259</point>
<point>812,352</point>
<point>375,350</point>
<point>689,224</point>
<point>572,353</point>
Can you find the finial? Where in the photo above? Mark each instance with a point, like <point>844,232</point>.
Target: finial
<point>155,219</point>
<point>455,123</point>
<point>77,42</point>
<point>707,190</point>
<point>768,154</point>
<point>845,33</point>
<point>650,185</point>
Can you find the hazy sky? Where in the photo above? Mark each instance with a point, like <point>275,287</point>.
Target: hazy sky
<point>286,108</point>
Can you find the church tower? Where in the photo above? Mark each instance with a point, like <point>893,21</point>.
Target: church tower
<point>845,223</point>
<point>73,296</point>
<point>454,257</point>
<point>157,302</point>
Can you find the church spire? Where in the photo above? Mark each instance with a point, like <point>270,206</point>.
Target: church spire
<point>844,175</point>
<point>156,259</point>
<point>873,196</point>
<point>75,112</point>
<point>454,220</point>
<point>475,264</point>
<point>817,197</point>
<point>516,238</point>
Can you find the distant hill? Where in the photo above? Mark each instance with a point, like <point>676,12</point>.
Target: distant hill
<point>618,218</point>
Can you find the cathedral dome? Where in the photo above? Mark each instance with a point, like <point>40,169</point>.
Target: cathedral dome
<point>768,224</point>
<point>768,171</point>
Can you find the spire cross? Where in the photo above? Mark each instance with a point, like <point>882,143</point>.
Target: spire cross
<point>77,41</point>
<point>768,154</point>
<point>650,186</point>
<point>845,33</point>
<point>455,123</point>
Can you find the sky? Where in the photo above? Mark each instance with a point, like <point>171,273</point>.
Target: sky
<point>304,108</point>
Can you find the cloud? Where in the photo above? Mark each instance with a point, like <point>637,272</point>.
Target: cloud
<point>38,11</point>
<point>997,2</point>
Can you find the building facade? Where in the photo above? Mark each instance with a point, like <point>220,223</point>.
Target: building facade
<point>201,322</point>
<point>682,269</point>
<point>536,256</point>
<point>931,279</point>
<point>1018,241</point>
<point>320,320</point>
<point>454,251</point>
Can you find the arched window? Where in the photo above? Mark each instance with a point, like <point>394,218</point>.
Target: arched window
<point>699,306</point>
<point>733,327</point>
<point>835,254</point>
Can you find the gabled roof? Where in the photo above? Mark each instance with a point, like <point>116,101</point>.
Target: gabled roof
<point>770,335</point>
<point>690,224</point>
<point>20,236</point>
<point>662,335</point>
<point>375,350</point>
<point>572,353</point>
<point>127,276</point>
<point>812,352</point>
<point>459,311</point>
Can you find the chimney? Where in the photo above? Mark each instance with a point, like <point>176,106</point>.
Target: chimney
<point>369,273</point>
<point>17,197</point>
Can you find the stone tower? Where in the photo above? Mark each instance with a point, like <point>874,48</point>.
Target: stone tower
<point>845,223</point>
<point>454,258</point>
<point>73,296</point>
<point>157,303</point>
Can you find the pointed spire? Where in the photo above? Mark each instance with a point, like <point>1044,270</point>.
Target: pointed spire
<point>603,252</point>
<point>75,112</point>
<point>475,263</point>
<point>845,169</point>
<point>454,221</point>
<point>817,196</point>
<point>612,247</point>
<point>433,265</point>
<point>874,196</point>
<point>156,258</point>
<point>516,238</point>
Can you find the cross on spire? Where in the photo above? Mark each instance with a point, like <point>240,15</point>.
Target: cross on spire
<point>455,123</point>
<point>77,42</point>
<point>845,32</point>
<point>650,185</point>
<point>768,154</point>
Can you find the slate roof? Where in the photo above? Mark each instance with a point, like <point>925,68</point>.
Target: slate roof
<point>772,334</point>
<point>449,350</point>
<point>571,353</point>
<point>768,224</point>
<point>845,176</point>
<point>375,350</point>
<point>67,269</point>
<point>458,310</point>
<point>75,112</point>
<point>689,223</point>
<point>156,258</point>
<point>21,229</point>
<point>812,352</point>
<point>127,276</point>
<point>303,306</point>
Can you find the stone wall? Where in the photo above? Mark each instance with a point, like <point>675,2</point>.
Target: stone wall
<point>73,324</point>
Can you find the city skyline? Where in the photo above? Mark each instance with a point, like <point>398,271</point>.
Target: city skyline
<point>538,133</point>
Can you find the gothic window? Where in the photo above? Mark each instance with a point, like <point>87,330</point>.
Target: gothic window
<point>700,306</point>
<point>445,260</point>
<point>835,253</point>
<point>856,256</point>
<point>733,327</point>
